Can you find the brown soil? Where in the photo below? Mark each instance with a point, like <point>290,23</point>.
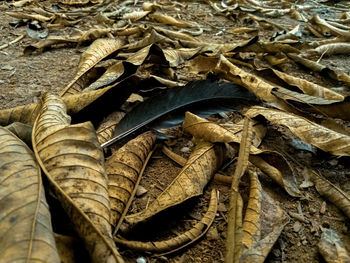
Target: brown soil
<point>24,79</point>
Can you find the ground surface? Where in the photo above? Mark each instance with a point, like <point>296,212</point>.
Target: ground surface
<point>23,79</point>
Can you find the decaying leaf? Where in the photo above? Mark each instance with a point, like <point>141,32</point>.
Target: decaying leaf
<point>262,225</point>
<point>174,34</point>
<point>124,174</point>
<point>149,39</point>
<point>333,49</point>
<point>317,135</point>
<point>176,98</point>
<point>106,129</point>
<point>278,169</point>
<point>212,132</point>
<point>25,220</point>
<point>176,57</point>
<point>98,50</point>
<point>234,226</point>
<point>175,244</point>
<point>50,41</point>
<point>332,248</point>
<point>73,162</point>
<point>197,172</point>
<point>332,192</point>
<point>22,15</point>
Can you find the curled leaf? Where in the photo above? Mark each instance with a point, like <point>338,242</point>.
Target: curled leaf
<point>98,50</point>
<point>124,173</point>
<point>168,20</point>
<point>73,161</point>
<point>180,241</point>
<point>191,180</point>
<point>25,221</point>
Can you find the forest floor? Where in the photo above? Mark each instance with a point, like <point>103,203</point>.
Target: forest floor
<point>23,79</point>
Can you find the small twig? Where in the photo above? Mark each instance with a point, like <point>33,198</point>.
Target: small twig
<point>12,42</point>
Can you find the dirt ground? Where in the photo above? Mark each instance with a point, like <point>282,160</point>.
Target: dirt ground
<point>23,79</point>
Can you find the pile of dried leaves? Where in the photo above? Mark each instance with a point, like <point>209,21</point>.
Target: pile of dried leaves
<point>144,73</point>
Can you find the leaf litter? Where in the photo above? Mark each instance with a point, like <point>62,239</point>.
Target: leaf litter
<point>250,72</point>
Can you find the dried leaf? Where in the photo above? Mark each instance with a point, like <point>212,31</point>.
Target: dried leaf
<point>74,2</point>
<point>174,34</point>
<point>25,221</point>
<point>332,192</point>
<point>168,20</point>
<point>309,88</point>
<point>332,49</point>
<point>135,15</point>
<point>73,162</point>
<point>21,15</point>
<point>149,39</point>
<point>278,168</point>
<point>331,247</point>
<point>317,135</point>
<point>212,132</point>
<point>98,50</point>
<point>176,98</point>
<point>111,75</point>
<point>124,173</point>
<point>254,84</point>
<point>197,172</point>
<point>49,42</point>
<point>176,57</point>
<point>263,215</point>
<point>183,240</point>
<point>234,226</point>
<point>323,70</point>
<point>106,129</point>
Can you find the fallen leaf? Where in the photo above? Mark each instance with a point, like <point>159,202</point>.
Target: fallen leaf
<point>317,135</point>
<point>25,220</point>
<point>124,173</point>
<point>168,20</point>
<point>179,242</point>
<point>135,15</point>
<point>99,49</point>
<point>106,128</point>
<point>193,177</point>
<point>73,162</point>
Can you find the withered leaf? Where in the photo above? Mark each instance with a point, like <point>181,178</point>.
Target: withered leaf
<point>168,20</point>
<point>332,248</point>
<point>264,216</point>
<point>317,135</point>
<point>135,15</point>
<point>97,51</point>
<point>22,15</point>
<point>212,132</point>
<point>175,244</point>
<point>22,131</point>
<point>332,192</point>
<point>191,180</point>
<point>308,87</point>
<point>73,162</point>
<point>70,249</point>
<point>50,41</point>
<point>149,39</point>
<point>25,221</point>
<point>176,57</point>
<point>124,173</point>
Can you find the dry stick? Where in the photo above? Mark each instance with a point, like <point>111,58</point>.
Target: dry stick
<point>234,227</point>
<point>133,192</point>
<point>12,42</point>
